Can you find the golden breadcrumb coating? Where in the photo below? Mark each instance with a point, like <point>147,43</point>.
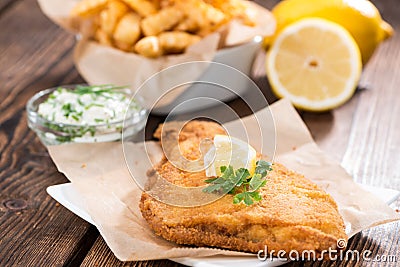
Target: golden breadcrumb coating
<point>294,213</point>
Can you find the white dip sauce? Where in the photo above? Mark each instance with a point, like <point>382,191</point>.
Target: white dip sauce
<point>87,105</point>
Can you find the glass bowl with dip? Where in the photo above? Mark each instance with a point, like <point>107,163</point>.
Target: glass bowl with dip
<point>85,114</point>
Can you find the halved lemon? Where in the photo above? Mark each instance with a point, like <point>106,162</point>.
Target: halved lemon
<point>315,63</point>
<point>359,17</point>
<point>229,151</point>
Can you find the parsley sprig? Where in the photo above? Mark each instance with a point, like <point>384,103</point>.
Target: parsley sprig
<point>240,183</point>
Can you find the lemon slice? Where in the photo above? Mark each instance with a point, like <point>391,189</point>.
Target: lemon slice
<point>315,63</point>
<point>229,151</point>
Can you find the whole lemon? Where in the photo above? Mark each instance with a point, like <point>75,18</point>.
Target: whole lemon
<point>360,17</point>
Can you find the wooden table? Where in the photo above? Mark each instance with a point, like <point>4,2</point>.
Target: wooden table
<point>36,231</point>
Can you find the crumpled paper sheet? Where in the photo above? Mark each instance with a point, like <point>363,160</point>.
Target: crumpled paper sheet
<point>111,196</point>
<point>100,64</point>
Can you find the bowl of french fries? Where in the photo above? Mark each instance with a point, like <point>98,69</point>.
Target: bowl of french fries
<point>126,42</point>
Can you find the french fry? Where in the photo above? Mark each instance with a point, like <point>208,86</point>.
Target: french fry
<point>165,3</point>
<point>247,16</point>
<point>177,42</point>
<point>149,47</point>
<point>164,20</point>
<point>87,8</point>
<point>103,38</point>
<point>142,7</point>
<point>123,46</point>
<point>234,9</point>
<point>110,16</point>
<point>200,16</point>
<point>165,26</point>
<point>127,31</point>
<point>188,25</point>
<point>212,15</point>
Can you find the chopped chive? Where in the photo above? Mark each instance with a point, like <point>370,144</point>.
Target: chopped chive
<point>75,117</point>
<point>94,105</point>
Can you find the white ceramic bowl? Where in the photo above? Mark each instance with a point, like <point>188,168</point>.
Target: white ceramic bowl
<point>232,72</point>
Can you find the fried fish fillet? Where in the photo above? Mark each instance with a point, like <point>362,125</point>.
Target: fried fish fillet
<point>294,213</point>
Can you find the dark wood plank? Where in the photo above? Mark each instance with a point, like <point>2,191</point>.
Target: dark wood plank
<point>6,4</point>
<point>36,231</point>
<point>101,255</point>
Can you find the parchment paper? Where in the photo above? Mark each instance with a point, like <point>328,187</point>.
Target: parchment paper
<point>100,64</point>
<point>111,197</point>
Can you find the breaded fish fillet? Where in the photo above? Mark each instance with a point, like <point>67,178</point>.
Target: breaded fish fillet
<point>294,213</point>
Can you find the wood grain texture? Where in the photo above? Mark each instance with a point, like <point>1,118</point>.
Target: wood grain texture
<point>36,231</point>
<point>6,4</point>
<point>372,154</point>
<point>101,255</point>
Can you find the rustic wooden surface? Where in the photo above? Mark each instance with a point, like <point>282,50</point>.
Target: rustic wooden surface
<point>36,54</point>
